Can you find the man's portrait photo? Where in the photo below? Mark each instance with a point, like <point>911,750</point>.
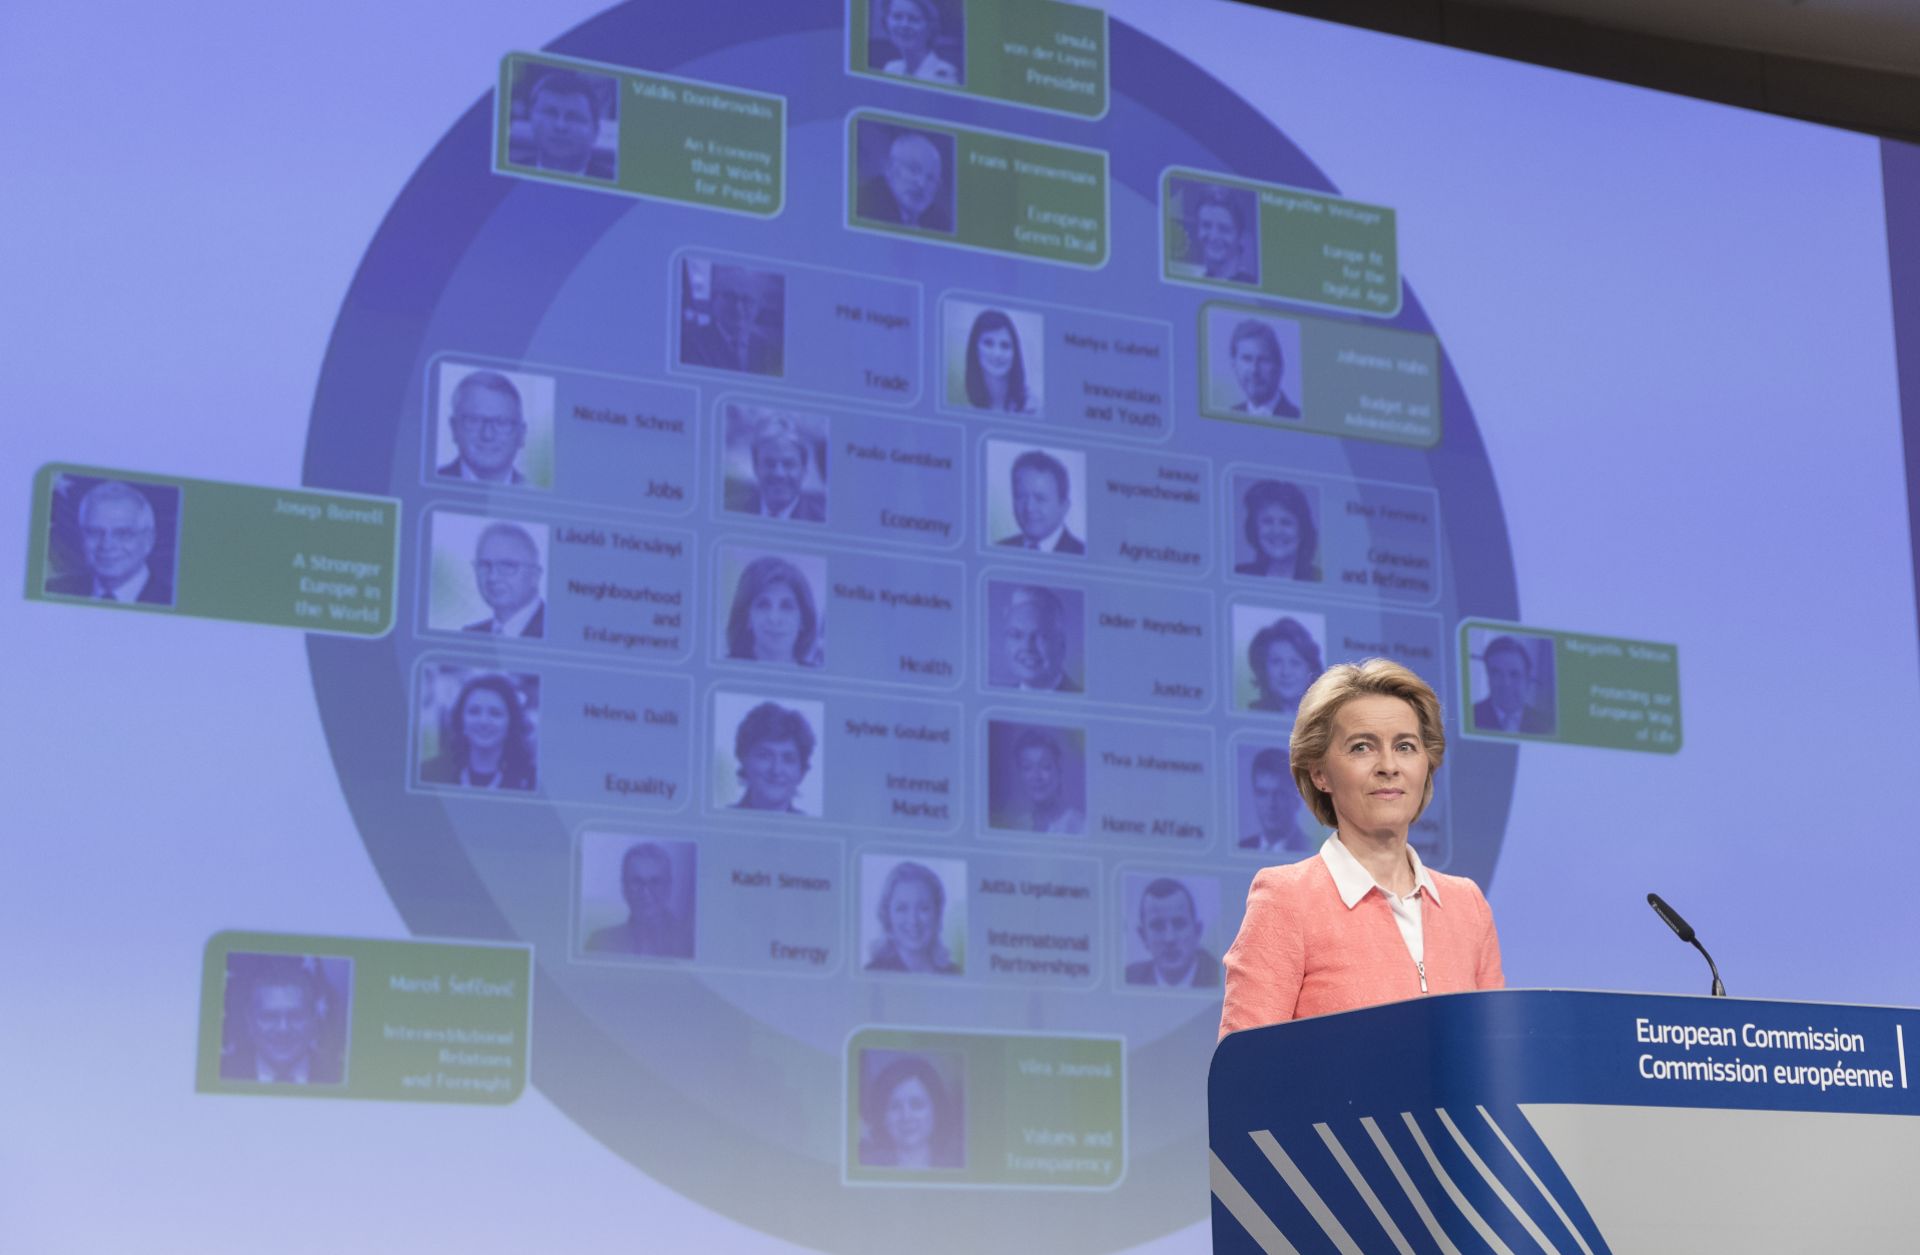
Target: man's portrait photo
<point>775,463</point>
<point>495,428</point>
<point>285,1019</point>
<point>1274,821</point>
<point>1213,232</point>
<point>1036,778</point>
<point>918,39</point>
<point>113,540</point>
<point>1168,920</point>
<point>768,755</point>
<point>478,729</point>
<point>564,121</point>
<point>1036,637</point>
<point>1254,364</point>
<point>912,1109</point>
<point>489,576</point>
<point>1512,682</point>
<point>905,177</point>
<point>637,896</point>
<point>913,915</point>
<point>1031,499</point>
<point>732,317</point>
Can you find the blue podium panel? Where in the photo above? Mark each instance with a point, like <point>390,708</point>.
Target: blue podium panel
<point>1579,1123</point>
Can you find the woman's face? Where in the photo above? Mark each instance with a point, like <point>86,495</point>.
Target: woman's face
<point>1375,770</point>
<point>772,772</point>
<point>774,619</point>
<point>1219,238</point>
<point>1039,773</point>
<point>1286,676</point>
<point>907,28</point>
<point>909,1115</point>
<point>484,719</point>
<point>996,352</point>
<point>913,918</point>
<point>1278,533</point>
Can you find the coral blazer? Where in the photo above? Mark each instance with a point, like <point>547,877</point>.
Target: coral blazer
<point>1302,952</point>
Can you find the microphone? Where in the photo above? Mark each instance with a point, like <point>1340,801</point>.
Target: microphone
<point>1684,931</point>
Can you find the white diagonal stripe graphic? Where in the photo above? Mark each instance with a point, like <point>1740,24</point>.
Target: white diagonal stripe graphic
<point>1534,1177</point>
<point>1240,1205</point>
<point>1474,1218</point>
<point>1434,1230</point>
<point>1493,1183</point>
<point>1359,1183</point>
<point>1304,1191</point>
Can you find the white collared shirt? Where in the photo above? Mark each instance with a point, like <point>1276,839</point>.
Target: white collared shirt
<point>517,622</point>
<point>127,590</point>
<point>1046,543</point>
<point>1354,881</point>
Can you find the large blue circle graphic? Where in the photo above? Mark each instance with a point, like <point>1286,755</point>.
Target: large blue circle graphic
<point>729,1088</point>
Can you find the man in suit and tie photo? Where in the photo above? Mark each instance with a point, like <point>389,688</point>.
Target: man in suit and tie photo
<point>1042,496</point>
<point>508,574</point>
<point>489,429</point>
<point>745,324</point>
<point>118,531</point>
<point>1170,928</point>
<point>1260,368</point>
<point>782,456</point>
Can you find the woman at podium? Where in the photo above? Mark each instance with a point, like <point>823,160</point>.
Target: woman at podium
<point>1364,921</point>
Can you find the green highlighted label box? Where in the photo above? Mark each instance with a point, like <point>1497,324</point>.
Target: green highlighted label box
<point>1527,683</point>
<point>938,1107</point>
<point>977,189</point>
<point>1280,241</point>
<point>653,135</point>
<point>322,561</point>
<point>1333,378</point>
<point>1038,53</point>
<point>348,1017</point>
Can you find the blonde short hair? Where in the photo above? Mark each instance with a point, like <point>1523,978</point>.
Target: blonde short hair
<point>1340,684</point>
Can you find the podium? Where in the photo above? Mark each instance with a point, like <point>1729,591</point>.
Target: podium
<point>1571,1122</point>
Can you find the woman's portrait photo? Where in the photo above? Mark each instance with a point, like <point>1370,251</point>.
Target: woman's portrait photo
<point>919,39</point>
<point>910,1109</point>
<point>774,616</point>
<point>1036,778</point>
<point>914,917</point>
<point>1278,537</point>
<point>767,754</point>
<point>1279,654</point>
<point>478,728</point>
<point>1213,232</point>
<point>994,358</point>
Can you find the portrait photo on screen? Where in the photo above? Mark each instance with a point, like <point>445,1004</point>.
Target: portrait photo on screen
<point>1169,940</point>
<point>911,1111</point>
<point>913,914</point>
<point>770,607</point>
<point>478,729</point>
<point>918,39</point>
<point>488,576</point>
<point>285,1019</point>
<point>637,896</point>
<point>1035,498</point>
<point>1036,637</point>
<point>1275,823</point>
<point>1253,364</point>
<point>564,121</point>
<point>774,463</point>
<point>495,427</point>
<point>1276,528</point>
<point>1277,653</point>
<point>1213,232</point>
<point>905,177</point>
<point>113,541</point>
<point>732,317</point>
<point>1511,682</point>
<point>768,754</point>
<point>1036,778</point>
<point>995,357</point>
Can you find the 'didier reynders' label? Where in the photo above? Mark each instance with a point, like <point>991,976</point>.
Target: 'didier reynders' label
<point>130,540</point>
<point>601,126</point>
<point>350,1017</point>
<point>1038,53</point>
<point>1528,683</point>
<point>937,1107</point>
